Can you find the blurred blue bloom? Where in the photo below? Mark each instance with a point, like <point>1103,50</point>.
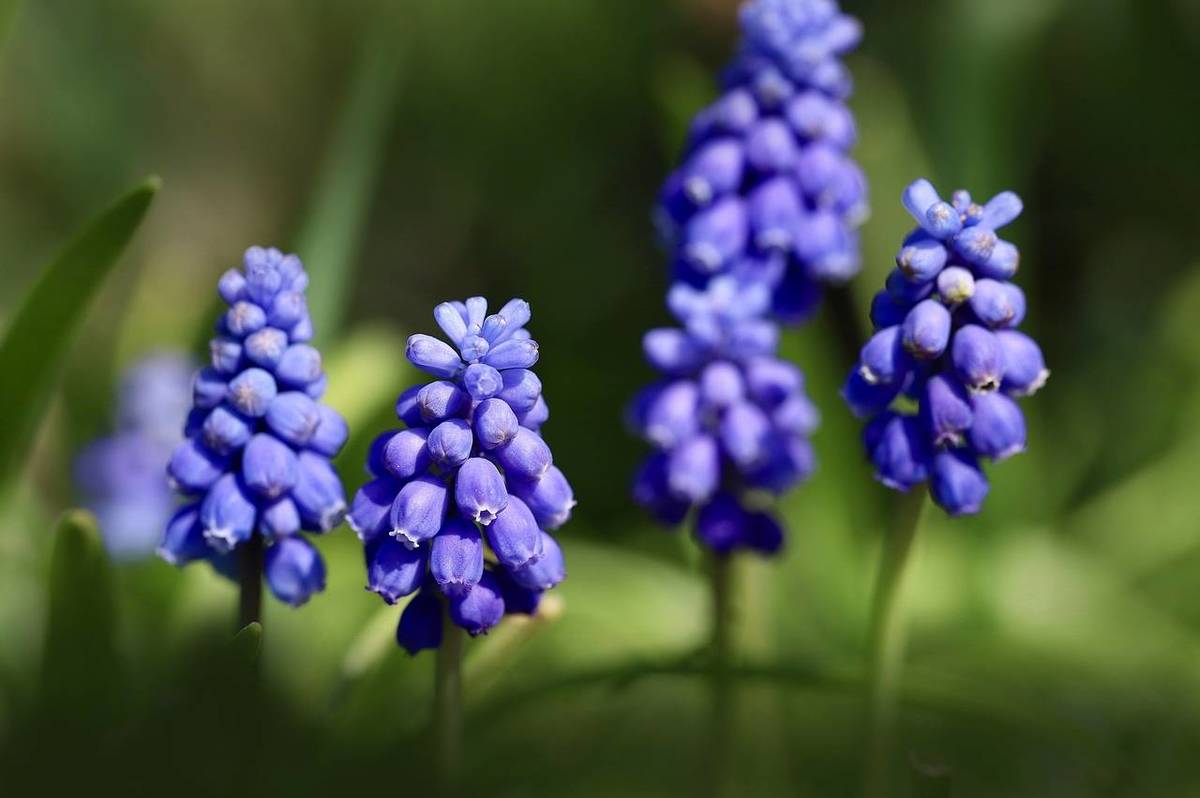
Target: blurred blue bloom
<point>122,478</point>
<point>469,476</point>
<point>945,340</point>
<point>767,189</point>
<point>256,460</point>
<point>728,419</point>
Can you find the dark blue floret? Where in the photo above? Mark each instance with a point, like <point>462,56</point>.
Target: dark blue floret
<point>945,338</point>
<point>257,457</point>
<point>462,496</point>
<point>766,188</point>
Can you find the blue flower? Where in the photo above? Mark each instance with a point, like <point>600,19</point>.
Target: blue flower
<point>766,188</point>
<point>256,460</point>
<point>122,477</point>
<point>729,421</point>
<point>946,339</point>
<point>463,497</point>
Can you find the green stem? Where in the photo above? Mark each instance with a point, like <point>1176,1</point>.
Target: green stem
<point>888,637</point>
<point>723,711</point>
<point>250,569</point>
<point>447,707</point>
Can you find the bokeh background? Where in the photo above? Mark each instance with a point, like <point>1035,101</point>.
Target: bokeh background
<point>420,150</point>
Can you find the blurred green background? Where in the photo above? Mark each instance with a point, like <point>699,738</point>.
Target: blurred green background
<point>421,150</point>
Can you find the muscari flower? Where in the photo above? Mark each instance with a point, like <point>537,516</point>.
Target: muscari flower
<point>462,498</point>
<point>256,459</point>
<point>946,339</point>
<point>766,188</point>
<point>729,420</point>
<point>122,476</point>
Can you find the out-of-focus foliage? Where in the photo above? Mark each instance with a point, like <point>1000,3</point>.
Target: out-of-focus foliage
<point>439,148</point>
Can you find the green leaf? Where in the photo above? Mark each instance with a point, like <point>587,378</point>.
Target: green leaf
<point>332,233</point>
<point>247,643</point>
<point>79,662</point>
<point>41,333</point>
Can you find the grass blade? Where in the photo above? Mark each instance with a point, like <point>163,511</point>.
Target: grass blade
<point>79,665</point>
<point>41,333</point>
<point>332,233</point>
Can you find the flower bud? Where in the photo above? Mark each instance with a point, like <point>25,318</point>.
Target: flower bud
<point>671,350</point>
<point>420,625</point>
<point>479,491</point>
<point>978,358</point>
<point>419,511</point>
<point>184,539</point>
<point>716,235</point>
<point>318,493</point>
<point>997,304</point>
<point>1024,367</point>
<point>745,433</point>
<point>513,354</point>
<point>548,570</point>
<point>999,428</point>
<point>526,456</point>
<point>266,347</point>
<point>299,366</point>
<point>294,570</point>
<point>694,469</point>
<point>882,359</point>
<point>209,388</point>
<point>521,390</point>
<point>456,557</point>
<point>227,514</point>
<point>550,498</point>
<point>440,400</point>
<point>536,416</point>
<point>269,467</point>
<point>393,569</point>
<point>433,356</point>
<point>225,431</point>
<point>449,443</point>
<point>721,524</point>
<point>956,483</point>
<point>331,434</point>
<point>480,608</point>
<point>371,510</point>
<point>193,468</point>
<point>495,423</point>
<point>926,330</point>
<point>897,451</point>
<point>955,285</point>
<point>294,417</point>
<point>482,381</point>
<point>514,535</point>
<point>243,318</point>
<point>406,453</point>
<point>945,410</point>
<point>280,518</point>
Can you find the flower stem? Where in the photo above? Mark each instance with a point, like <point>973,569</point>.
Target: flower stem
<point>447,707</point>
<point>723,711</point>
<point>888,637</point>
<point>250,569</point>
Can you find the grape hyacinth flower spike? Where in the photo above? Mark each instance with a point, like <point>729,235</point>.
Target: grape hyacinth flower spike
<point>767,189</point>
<point>123,477</point>
<point>255,466</point>
<point>729,421</point>
<point>463,498</point>
<point>946,342</point>
<point>946,339</point>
